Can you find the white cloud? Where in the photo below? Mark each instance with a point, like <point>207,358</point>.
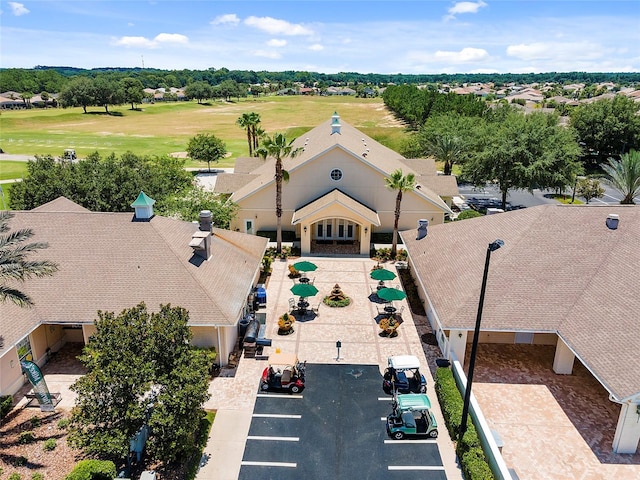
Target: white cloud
<point>464,7</point>
<point>171,38</point>
<point>274,42</point>
<point>316,47</point>
<point>227,19</point>
<point>465,55</point>
<point>143,42</point>
<point>18,9</point>
<point>558,51</point>
<point>277,27</point>
<point>267,54</point>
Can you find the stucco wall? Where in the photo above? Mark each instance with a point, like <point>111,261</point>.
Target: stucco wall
<point>312,180</point>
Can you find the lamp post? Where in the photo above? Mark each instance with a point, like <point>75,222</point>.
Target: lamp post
<point>493,246</point>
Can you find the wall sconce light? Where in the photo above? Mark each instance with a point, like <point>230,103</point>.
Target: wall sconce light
<point>366,229</point>
<point>305,229</point>
<point>460,335</point>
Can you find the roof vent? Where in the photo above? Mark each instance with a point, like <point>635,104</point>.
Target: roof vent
<point>201,244</point>
<point>612,221</point>
<point>422,228</point>
<point>206,221</point>
<point>335,123</point>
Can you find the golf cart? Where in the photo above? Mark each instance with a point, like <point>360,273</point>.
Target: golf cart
<point>403,375</point>
<point>284,373</point>
<point>411,415</point>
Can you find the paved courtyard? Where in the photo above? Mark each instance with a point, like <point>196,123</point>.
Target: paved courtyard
<point>554,427</point>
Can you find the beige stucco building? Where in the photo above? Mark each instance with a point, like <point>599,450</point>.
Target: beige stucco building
<point>336,193</point>
<point>114,261</point>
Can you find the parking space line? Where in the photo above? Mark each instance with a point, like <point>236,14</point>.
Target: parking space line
<point>400,442</point>
<point>269,464</point>
<point>385,399</point>
<point>414,467</point>
<point>274,415</point>
<point>268,395</point>
<point>274,439</point>
<point>384,419</point>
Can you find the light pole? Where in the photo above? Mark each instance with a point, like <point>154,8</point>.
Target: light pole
<point>493,246</point>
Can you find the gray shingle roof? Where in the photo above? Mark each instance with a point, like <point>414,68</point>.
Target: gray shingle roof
<point>561,270</point>
<point>109,262</point>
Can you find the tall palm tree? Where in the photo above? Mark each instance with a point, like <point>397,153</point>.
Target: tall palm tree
<point>447,149</point>
<point>279,148</point>
<point>402,183</point>
<point>624,175</point>
<point>250,121</point>
<point>14,264</point>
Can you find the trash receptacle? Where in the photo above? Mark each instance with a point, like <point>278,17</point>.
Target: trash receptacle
<point>242,326</point>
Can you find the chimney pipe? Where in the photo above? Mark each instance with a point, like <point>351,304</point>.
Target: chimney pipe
<point>206,221</point>
<point>423,223</point>
<point>612,221</point>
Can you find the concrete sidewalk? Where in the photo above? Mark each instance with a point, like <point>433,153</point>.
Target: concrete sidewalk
<point>315,342</point>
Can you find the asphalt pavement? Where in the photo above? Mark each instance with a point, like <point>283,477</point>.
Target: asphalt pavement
<point>334,430</point>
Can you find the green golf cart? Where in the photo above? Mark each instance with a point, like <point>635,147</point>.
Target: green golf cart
<point>411,416</point>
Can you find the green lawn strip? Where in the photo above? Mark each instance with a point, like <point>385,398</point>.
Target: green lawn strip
<point>5,195</point>
<point>10,169</point>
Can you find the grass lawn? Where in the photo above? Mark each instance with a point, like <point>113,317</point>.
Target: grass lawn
<point>164,128</point>
<point>10,169</point>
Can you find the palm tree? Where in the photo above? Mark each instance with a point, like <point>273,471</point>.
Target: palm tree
<point>14,264</point>
<point>250,122</point>
<point>401,183</point>
<point>279,148</point>
<point>447,149</point>
<point>624,175</point>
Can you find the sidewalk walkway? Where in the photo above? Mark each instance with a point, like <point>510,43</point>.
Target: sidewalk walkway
<point>315,342</point>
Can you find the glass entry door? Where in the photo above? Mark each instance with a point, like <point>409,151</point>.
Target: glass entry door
<point>335,229</point>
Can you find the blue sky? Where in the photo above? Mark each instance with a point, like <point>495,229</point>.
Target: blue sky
<point>482,36</point>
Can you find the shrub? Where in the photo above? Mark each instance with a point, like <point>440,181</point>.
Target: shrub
<point>468,214</point>
<point>14,476</point>
<point>344,302</point>
<point>6,404</point>
<point>37,476</point>
<point>26,437</point>
<point>63,423</point>
<point>473,462</point>
<point>49,444</point>
<point>93,470</point>
<point>35,421</point>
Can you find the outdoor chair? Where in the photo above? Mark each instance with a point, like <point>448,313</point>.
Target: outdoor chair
<point>292,304</point>
<point>399,312</point>
<point>316,310</point>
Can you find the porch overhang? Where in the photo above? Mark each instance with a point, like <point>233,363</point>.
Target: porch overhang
<point>336,203</point>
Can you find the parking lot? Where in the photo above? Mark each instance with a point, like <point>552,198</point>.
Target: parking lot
<point>334,429</point>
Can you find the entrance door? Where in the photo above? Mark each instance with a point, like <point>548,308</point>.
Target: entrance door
<point>248,227</point>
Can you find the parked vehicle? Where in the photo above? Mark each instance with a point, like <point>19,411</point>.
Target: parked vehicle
<point>411,416</point>
<point>403,375</point>
<point>284,373</point>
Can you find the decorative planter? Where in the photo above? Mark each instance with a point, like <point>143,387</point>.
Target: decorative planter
<point>285,324</point>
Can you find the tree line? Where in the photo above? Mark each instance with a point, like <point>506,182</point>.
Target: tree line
<point>53,78</point>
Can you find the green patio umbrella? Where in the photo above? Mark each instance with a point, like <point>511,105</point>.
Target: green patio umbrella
<point>382,274</point>
<point>305,266</point>
<point>304,290</point>
<point>391,294</point>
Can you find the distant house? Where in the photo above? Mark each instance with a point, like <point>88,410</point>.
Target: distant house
<point>114,261</point>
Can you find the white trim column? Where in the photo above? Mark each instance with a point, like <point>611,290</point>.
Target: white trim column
<point>627,433</point>
<point>365,239</point>
<point>306,232</point>
<point>563,360</point>
<point>458,343</point>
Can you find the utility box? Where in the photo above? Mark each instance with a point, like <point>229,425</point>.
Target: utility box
<point>148,475</point>
<point>260,295</point>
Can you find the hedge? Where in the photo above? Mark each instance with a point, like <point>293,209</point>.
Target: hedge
<point>472,459</point>
<point>6,404</point>
<point>93,470</point>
